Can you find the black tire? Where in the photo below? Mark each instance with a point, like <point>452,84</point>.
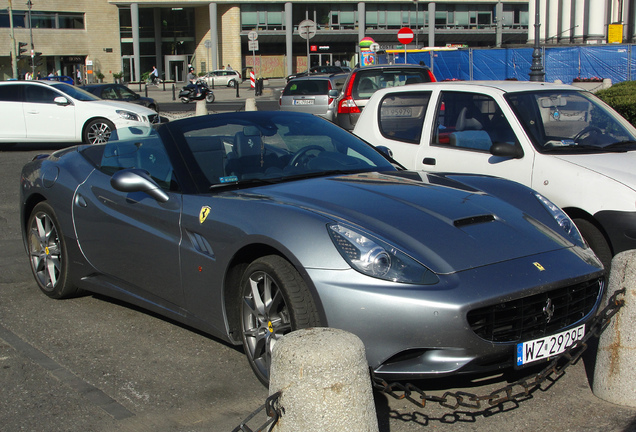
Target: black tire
<point>231,83</point>
<point>274,301</point>
<point>209,98</point>
<point>98,131</point>
<point>185,100</point>
<point>48,253</point>
<point>595,238</point>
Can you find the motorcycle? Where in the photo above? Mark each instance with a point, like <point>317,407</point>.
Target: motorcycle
<point>188,94</point>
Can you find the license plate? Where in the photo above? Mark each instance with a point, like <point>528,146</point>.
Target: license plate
<point>303,102</point>
<point>396,112</point>
<point>549,346</point>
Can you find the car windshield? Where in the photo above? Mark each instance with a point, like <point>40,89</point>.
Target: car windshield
<point>274,146</point>
<point>570,121</point>
<point>75,92</point>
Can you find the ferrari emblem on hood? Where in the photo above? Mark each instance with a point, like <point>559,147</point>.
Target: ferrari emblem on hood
<point>203,214</point>
<point>539,266</point>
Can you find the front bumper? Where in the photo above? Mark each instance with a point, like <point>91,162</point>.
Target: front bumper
<point>412,331</point>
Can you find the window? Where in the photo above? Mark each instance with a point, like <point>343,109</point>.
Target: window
<point>470,121</point>
<point>10,93</point>
<point>43,19</point>
<point>149,155</point>
<point>401,116</point>
<point>40,94</point>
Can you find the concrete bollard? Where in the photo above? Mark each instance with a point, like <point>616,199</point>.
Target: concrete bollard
<point>202,108</point>
<point>324,378</point>
<point>250,104</point>
<point>615,370</point>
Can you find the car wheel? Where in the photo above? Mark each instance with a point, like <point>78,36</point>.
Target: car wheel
<point>274,302</point>
<point>48,254</point>
<point>209,98</point>
<point>595,238</point>
<point>98,131</point>
<point>231,83</point>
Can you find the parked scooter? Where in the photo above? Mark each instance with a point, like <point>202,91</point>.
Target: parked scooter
<point>188,94</point>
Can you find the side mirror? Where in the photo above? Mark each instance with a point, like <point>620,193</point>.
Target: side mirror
<point>506,150</point>
<point>61,100</point>
<point>333,93</point>
<point>385,151</point>
<point>137,180</point>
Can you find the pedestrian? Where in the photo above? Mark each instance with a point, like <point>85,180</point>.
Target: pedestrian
<point>154,75</point>
<point>79,76</point>
<point>337,63</point>
<point>39,75</point>
<point>229,67</point>
<point>28,76</point>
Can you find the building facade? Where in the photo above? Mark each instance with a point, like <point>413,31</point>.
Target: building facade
<point>107,37</point>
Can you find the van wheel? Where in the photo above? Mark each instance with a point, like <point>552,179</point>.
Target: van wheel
<point>595,238</point>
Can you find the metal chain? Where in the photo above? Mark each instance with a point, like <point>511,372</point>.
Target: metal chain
<point>493,402</point>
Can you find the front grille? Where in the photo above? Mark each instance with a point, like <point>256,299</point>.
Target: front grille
<point>153,118</point>
<point>527,318</point>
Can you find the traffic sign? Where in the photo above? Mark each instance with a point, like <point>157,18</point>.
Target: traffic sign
<point>252,45</point>
<point>307,29</point>
<point>405,35</point>
<point>375,47</point>
<point>252,36</point>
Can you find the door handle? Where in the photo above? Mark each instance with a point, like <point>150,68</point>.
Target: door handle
<point>429,161</point>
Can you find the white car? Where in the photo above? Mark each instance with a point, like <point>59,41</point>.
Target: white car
<point>223,77</point>
<point>48,111</point>
<point>557,139</point>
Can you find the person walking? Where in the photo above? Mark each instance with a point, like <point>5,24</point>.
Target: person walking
<point>154,75</point>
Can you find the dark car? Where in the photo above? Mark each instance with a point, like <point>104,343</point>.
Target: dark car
<point>249,225</point>
<point>121,93</point>
<point>363,82</point>
<point>315,70</point>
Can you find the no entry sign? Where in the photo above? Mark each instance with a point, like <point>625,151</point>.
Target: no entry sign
<point>405,35</point>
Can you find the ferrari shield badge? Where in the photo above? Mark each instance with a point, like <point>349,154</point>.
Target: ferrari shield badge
<point>539,266</point>
<point>203,214</point>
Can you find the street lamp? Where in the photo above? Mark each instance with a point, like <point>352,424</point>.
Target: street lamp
<point>536,69</point>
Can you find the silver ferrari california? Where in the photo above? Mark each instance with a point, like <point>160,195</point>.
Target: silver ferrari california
<point>251,225</point>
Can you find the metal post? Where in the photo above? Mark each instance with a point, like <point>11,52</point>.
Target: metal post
<point>536,69</point>
<point>30,4</point>
<point>417,21</point>
<point>14,64</point>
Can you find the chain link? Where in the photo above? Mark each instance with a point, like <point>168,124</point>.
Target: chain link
<point>489,404</point>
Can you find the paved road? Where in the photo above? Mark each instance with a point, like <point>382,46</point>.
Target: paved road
<point>92,364</point>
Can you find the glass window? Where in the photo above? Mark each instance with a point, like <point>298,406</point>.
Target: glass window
<point>43,19</point>
<point>401,116</point>
<point>470,121</point>
<point>70,21</point>
<point>10,93</point>
<point>149,155</point>
<point>40,94</point>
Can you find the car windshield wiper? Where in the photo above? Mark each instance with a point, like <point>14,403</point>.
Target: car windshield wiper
<point>245,183</point>
<point>621,145</point>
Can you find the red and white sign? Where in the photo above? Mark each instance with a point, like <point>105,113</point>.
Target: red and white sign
<point>405,35</point>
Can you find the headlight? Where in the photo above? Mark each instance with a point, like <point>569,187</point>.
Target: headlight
<point>376,258</point>
<point>128,115</point>
<point>562,219</point>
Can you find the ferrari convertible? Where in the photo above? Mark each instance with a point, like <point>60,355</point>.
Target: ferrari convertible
<point>251,225</point>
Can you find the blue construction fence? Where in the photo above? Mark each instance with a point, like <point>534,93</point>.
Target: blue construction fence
<point>616,62</point>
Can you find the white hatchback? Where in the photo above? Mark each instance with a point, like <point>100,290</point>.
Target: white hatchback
<point>48,111</point>
<point>558,139</point>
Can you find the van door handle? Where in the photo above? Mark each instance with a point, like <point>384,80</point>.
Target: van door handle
<point>429,161</point>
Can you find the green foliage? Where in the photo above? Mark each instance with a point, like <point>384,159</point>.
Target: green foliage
<point>621,97</point>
